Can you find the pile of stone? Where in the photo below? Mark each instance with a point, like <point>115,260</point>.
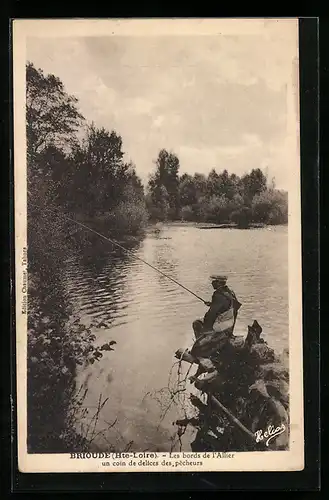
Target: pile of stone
<point>247,393</point>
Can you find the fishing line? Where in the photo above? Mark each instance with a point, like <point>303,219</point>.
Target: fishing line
<point>123,248</point>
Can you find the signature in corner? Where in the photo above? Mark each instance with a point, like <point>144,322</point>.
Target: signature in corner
<point>270,433</point>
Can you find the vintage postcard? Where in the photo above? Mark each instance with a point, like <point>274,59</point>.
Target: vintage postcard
<point>158,245</point>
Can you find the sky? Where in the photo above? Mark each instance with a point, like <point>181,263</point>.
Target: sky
<point>216,101</point>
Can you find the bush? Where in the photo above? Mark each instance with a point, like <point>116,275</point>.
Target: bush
<point>214,209</point>
<point>277,215</point>
<point>156,214</point>
<point>270,207</point>
<point>55,347</point>
<point>187,213</point>
<point>56,342</point>
<point>128,218</point>
<point>158,206</point>
<point>242,217</point>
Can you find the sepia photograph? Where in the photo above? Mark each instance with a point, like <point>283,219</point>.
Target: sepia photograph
<point>157,230</point>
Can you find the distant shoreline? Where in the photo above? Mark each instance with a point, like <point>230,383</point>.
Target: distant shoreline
<point>211,225</point>
<point>100,222</point>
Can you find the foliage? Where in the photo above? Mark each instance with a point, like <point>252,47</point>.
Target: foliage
<point>83,171</point>
<point>271,207</point>
<point>163,185</point>
<point>79,169</point>
<point>52,116</point>
<point>219,198</point>
<point>221,184</point>
<point>71,176</point>
<point>187,213</point>
<point>242,217</point>
<point>187,190</point>
<point>57,341</point>
<point>98,172</point>
<point>253,184</point>
<point>215,209</point>
<point>130,215</point>
<point>158,204</point>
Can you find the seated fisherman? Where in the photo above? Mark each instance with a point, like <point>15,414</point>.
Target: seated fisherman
<point>222,312</point>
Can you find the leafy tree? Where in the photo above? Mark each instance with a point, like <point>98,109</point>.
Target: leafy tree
<point>219,197</point>
<point>270,207</point>
<point>213,184</point>
<point>52,116</point>
<point>200,183</point>
<point>89,175</point>
<point>46,178</point>
<point>130,215</point>
<point>229,184</point>
<point>253,184</point>
<point>64,172</point>
<point>237,202</point>
<point>187,213</point>
<point>99,173</point>
<point>164,204</point>
<point>52,122</point>
<point>216,209</point>
<point>222,184</point>
<point>187,190</point>
<point>134,182</point>
<point>242,217</point>
<point>166,176</point>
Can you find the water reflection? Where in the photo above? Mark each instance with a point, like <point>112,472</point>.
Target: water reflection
<point>97,280</point>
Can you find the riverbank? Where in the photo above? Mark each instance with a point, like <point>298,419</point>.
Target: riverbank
<point>58,341</point>
<point>104,225</point>
<point>255,374</point>
<point>107,226</point>
<point>211,225</point>
<point>231,225</point>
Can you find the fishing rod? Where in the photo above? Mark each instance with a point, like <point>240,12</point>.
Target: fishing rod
<point>125,249</point>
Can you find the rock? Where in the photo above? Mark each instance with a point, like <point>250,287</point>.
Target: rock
<point>279,389</point>
<point>207,365</point>
<point>208,378</point>
<point>247,378</point>
<point>262,353</point>
<point>259,386</point>
<point>237,342</point>
<point>270,371</point>
<point>185,355</point>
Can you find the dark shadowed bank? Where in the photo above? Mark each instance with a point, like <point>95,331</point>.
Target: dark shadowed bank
<point>77,170</point>
<point>85,179</point>
<point>58,343</point>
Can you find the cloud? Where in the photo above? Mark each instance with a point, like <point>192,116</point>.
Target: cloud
<point>218,101</point>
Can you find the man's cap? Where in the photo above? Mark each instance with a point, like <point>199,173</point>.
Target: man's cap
<point>218,277</point>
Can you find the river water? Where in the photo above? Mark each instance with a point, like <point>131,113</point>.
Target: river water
<point>150,317</point>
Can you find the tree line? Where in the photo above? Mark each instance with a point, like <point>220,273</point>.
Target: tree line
<point>74,165</point>
<point>80,168</point>
<point>219,197</point>
<point>58,165</point>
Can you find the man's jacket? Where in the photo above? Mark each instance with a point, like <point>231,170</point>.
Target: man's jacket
<point>223,310</point>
